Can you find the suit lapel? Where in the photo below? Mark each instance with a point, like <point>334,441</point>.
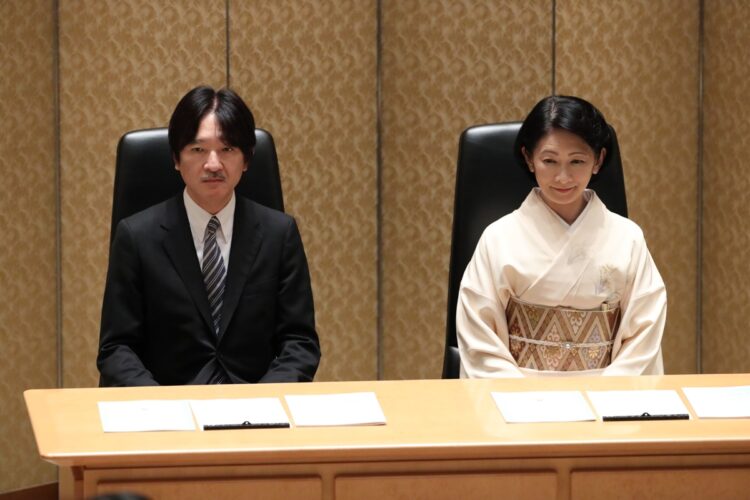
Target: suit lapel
<point>246,240</point>
<point>178,243</point>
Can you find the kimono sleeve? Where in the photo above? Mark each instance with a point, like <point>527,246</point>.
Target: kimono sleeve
<point>637,348</point>
<point>481,326</point>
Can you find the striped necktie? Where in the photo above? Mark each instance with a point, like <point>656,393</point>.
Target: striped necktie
<point>214,274</point>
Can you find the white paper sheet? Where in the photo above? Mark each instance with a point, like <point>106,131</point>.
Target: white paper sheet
<point>238,411</point>
<point>719,402</point>
<point>543,406</point>
<point>636,402</point>
<point>146,415</point>
<point>356,408</point>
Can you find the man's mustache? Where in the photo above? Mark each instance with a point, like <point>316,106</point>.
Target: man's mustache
<point>213,176</point>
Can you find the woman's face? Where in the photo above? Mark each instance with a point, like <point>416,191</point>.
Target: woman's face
<point>563,164</point>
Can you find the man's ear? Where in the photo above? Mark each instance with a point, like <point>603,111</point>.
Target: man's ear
<point>176,162</point>
<point>248,160</point>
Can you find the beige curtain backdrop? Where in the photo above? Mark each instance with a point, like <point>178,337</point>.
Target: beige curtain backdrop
<point>366,100</point>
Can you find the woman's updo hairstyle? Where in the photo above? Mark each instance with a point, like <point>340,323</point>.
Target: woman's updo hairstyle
<point>573,114</point>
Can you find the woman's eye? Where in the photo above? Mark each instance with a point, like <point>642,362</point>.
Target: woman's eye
<point>228,149</point>
<point>548,161</point>
<point>196,149</point>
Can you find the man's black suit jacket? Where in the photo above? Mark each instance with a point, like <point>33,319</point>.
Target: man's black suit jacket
<point>156,326</point>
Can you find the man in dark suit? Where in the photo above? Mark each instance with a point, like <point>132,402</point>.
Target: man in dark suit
<point>208,287</point>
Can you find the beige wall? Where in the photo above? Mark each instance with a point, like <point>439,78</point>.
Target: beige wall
<point>28,338</point>
<point>376,232</point>
<point>726,212</point>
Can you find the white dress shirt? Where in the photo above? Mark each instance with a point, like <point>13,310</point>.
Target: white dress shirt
<point>199,218</point>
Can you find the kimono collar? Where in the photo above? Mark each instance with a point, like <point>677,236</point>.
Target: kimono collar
<point>535,199</point>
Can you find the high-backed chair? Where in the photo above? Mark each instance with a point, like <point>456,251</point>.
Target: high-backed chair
<point>145,173</point>
<point>490,184</point>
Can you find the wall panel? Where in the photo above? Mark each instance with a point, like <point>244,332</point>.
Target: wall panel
<point>27,224</point>
<point>726,238</point>
<point>446,65</point>
<point>638,62</point>
<point>124,64</point>
<point>308,70</point>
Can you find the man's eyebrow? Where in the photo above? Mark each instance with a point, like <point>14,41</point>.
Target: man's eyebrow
<point>198,140</point>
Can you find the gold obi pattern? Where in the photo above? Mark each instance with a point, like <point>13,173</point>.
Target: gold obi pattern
<point>560,339</point>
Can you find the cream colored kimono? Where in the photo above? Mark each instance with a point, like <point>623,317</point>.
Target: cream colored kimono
<point>536,257</point>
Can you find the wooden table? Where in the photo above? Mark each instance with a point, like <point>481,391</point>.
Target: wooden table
<point>445,439</point>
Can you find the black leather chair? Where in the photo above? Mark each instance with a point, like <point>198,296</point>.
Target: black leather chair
<point>491,184</point>
<point>145,173</point>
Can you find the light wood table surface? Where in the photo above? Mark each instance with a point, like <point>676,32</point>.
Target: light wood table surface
<point>445,439</point>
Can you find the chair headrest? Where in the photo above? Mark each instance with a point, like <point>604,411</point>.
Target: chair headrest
<point>145,173</point>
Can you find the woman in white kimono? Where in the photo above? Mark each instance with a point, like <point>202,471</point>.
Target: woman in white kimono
<point>561,286</point>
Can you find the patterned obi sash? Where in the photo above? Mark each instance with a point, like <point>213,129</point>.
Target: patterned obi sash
<point>560,339</point>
